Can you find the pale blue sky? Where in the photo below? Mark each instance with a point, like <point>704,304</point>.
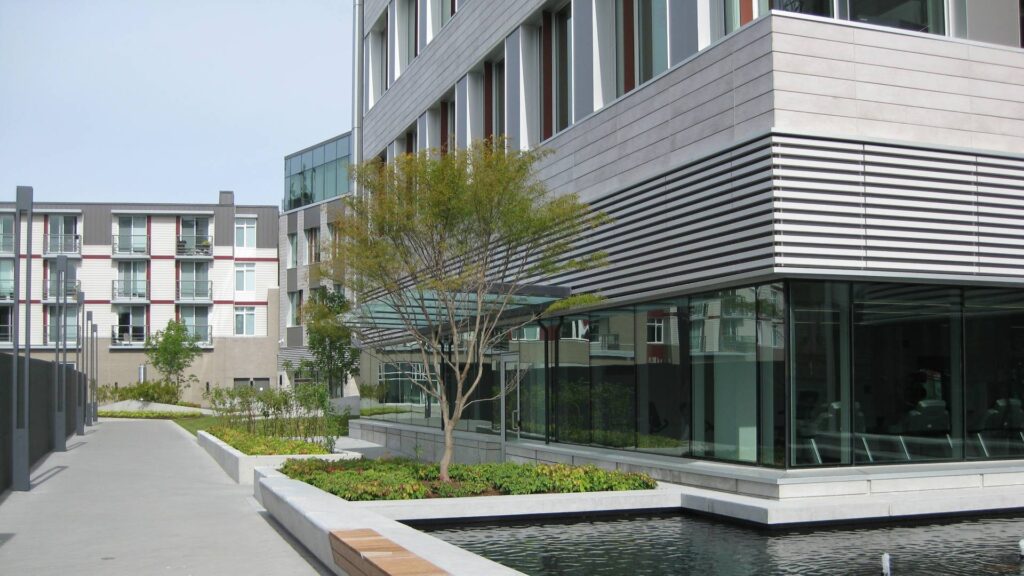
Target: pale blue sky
<point>167,100</point>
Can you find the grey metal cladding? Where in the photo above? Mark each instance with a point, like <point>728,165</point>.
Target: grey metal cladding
<point>583,76</point>
<point>97,224</point>
<point>512,92</point>
<point>311,217</point>
<point>865,207</point>
<point>477,28</point>
<point>684,40</point>
<point>292,279</point>
<point>224,226</point>
<point>293,222</point>
<point>293,336</point>
<point>995,21</point>
<point>266,224</point>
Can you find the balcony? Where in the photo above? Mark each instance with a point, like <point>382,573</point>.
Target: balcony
<point>203,334</point>
<point>194,291</point>
<point>129,291</point>
<point>130,246</point>
<point>57,244</point>
<point>5,334</point>
<point>7,290</point>
<point>51,289</point>
<point>128,336</point>
<point>6,244</point>
<point>194,246</point>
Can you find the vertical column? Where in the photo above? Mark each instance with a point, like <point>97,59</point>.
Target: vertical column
<point>683,30</point>
<point>475,103</point>
<point>604,56</point>
<point>461,112</point>
<point>582,58</point>
<point>393,42</point>
<point>57,386</point>
<point>513,97</point>
<point>529,86</point>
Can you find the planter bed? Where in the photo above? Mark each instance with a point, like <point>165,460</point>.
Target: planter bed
<point>240,466</point>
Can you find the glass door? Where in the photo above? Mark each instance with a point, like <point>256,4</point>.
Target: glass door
<point>511,413</point>
<point>131,280</point>
<point>195,281</point>
<point>131,235</point>
<point>131,325</point>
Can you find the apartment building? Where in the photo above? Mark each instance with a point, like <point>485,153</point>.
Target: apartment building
<point>212,267</point>
<point>815,254</point>
<point>315,180</point>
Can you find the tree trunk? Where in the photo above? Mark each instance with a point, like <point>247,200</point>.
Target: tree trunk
<point>449,447</point>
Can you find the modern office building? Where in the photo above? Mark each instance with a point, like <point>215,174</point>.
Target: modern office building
<point>815,262</point>
<point>315,180</point>
<point>212,267</point>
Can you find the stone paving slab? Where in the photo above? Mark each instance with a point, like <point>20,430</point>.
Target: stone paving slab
<point>140,497</point>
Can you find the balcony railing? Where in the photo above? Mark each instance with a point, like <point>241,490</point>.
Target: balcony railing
<point>194,291</point>
<point>51,289</point>
<point>130,290</point>
<point>51,334</point>
<point>128,336</point>
<point>62,244</point>
<point>6,290</point>
<point>202,333</point>
<point>130,245</point>
<point>195,245</point>
<point>6,243</point>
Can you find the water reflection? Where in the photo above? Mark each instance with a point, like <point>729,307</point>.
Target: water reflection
<point>680,544</point>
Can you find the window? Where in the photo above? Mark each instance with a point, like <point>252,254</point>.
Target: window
<point>245,276</point>
<point>312,245</point>
<point>70,327</point>
<point>652,38</point>
<point>245,232</point>
<point>194,282</point>
<point>917,15</point>
<point>245,320</point>
<point>130,329</point>
<point>655,330</point>
<point>196,321</point>
<point>52,284</point>
<point>295,308</point>
<point>293,250</point>
<point>6,279</point>
<point>816,7</point>
<point>447,10</point>
<point>494,98</point>
<point>63,236</point>
<point>131,280</point>
<point>195,236</point>
<point>7,233</point>
<point>562,68</point>
<point>131,235</point>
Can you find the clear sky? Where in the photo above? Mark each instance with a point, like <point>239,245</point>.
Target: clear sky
<point>167,100</point>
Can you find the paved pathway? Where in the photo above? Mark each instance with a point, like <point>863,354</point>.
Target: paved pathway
<point>140,497</point>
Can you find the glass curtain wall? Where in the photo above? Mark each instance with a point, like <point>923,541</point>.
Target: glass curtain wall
<point>662,378</point>
<point>994,372</point>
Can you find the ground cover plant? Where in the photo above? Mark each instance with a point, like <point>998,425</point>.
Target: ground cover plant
<point>262,445</point>
<point>160,392</point>
<point>401,479</point>
<point>149,415</point>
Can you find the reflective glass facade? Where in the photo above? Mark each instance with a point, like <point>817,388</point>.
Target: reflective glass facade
<point>316,174</point>
<point>796,373</point>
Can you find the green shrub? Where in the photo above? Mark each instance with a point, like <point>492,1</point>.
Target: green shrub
<point>400,479</point>
<point>259,445</point>
<point>161,392</point>
<point>150,415</point>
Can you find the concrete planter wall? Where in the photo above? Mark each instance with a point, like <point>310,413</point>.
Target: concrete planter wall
<point>310,515</point>
<point>240,466</point>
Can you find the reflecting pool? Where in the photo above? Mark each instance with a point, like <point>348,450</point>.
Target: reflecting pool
<point>685,544</point>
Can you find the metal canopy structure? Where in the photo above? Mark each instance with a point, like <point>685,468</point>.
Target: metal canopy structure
<point>384,318</point>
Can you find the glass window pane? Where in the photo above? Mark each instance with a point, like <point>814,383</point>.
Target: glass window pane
<point>917,15</point>
<point>652,38</point>
<point>330,179</point>
<point>663,390</point>
<point>820,324</point>
<point>771,365</point>
<point>613,378</point>
<point>724,368</point>
<point>572,394</point>
<point>817,7</point>
<point>906,373</point>
<point>318,155</point>
<point>343,186</point>
<point>994,372</point>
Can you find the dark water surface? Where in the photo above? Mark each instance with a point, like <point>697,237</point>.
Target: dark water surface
<point>685,544</point>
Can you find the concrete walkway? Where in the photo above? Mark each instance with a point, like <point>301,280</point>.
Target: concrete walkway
<point>140,497</point>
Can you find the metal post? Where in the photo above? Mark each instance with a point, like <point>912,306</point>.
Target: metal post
<point>59,439</point>
<point>79,381</point>
<point>93,365</point>
<point>19,386</point>
<point>90,419</point>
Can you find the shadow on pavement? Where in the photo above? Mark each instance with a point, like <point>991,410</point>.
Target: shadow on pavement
<point>306,555</point>
<point>46,475</point>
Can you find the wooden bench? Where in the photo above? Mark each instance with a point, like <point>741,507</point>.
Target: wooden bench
<point>365,552</point>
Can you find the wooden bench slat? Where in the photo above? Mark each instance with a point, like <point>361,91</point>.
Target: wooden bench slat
<point>364,552</point>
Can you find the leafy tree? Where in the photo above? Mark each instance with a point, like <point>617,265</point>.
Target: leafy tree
<point>171,351</point>
<point>440,249</point>
<point>330,340</point>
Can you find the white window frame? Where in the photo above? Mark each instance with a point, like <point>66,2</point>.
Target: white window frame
<point>248,314</point>
<point>658,324</point>
<point>247,225</point>
<point>246,272</point>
